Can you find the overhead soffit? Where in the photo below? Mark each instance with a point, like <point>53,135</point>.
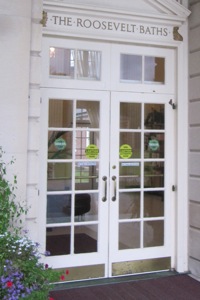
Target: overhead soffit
<point>169,9</point>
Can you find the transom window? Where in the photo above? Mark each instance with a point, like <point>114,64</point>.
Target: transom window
<point>142,69</point>
<point>75,64</point>
<point>107,66</point>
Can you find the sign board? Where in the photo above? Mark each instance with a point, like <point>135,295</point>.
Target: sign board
<point>92,151</point>
<point>60,144</point>
<point>72,23</point>
<point>154,145</point>
<point>125,151</point>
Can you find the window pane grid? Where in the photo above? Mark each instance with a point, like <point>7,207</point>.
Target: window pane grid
<point>142,69</point>
<point>75,64</point>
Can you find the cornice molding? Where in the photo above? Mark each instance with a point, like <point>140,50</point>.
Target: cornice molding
<point>167,10</point>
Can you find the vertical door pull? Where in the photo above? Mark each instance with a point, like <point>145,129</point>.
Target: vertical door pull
<point>104,178</point>
<point>114,179</point>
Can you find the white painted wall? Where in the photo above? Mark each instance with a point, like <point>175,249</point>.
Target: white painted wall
<point>15,22</point>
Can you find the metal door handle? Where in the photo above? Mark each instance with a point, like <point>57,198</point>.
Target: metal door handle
<point>104,178</point>
<point>114,179</point>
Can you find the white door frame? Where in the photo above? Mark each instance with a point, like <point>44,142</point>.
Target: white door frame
<point>181,136</point>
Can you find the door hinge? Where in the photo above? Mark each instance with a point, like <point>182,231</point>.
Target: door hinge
<point>40,100</point>
<point>173,188</point>
<point>173,105</point>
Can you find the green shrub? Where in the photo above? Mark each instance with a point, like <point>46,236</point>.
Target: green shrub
<point>11,212</point>
<point>22,275</point>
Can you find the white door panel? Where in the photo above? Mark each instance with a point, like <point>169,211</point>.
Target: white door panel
<point>142,214</point>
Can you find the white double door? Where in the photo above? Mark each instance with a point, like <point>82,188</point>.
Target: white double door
<point>110,176</point>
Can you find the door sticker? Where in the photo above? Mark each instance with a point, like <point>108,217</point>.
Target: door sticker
<point>60,144</point>
<point>92,151</point>
<point>125,151</point>
<point>154,145</point>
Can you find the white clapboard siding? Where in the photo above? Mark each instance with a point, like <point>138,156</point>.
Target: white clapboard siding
<point>194,137</point>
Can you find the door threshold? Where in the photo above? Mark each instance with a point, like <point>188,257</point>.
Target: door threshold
<point>113,280</point>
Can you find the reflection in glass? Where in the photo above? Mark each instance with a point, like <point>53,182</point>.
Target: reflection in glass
<point>154,204</point>
<point>129,205</point>
<point>154,174</point>
<point>87,174</point>
<point>59,176</point>
<point>60,113</point>
<point>87,139</point>
<point>58,240</point>
<point>86,207</point>
<point>154,145</point>
<point>129,175</point>
<point>59,144</point>
<point>129,235</point>
<point>154,116</point>
<point>89,64</point>
<point>87,114</point>
<point>130,115</point>
<point>153,233</point>
<point>58,208</point>
<point>131,67</point>
<point>61,62</point>
<point>154,69</point>
<point>133,140</point>
<point>85,239</point>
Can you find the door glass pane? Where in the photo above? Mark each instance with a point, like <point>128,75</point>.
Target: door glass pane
<point>154,174</point>
<point>89,64</point>
<point>130,115</point>
<point>129,175</point>
<point>153,233</point>
<point>60,113</point>
<point>59,145</point>
<point>86,207</point>
<point>130,145</point>
<point>85,238</point>
<point>154,69</point>
<point>129,205</point>
<point>62,62</point>
<point>86,175</point>
<point>87,114</point>
<point>58,208</point>
<point>129,235</point>
<point>59,176</point>
<point>154,145</point>
<point>87,144</point>
<point>154,116</point>
<point>130,67</point>
<point>154,204</point>
<point>58,240</point>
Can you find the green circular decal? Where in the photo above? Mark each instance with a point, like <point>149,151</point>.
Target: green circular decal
<point>91,151</point>
<point>125,151</point>
<point>60,144</point>
<point>154,145</point>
